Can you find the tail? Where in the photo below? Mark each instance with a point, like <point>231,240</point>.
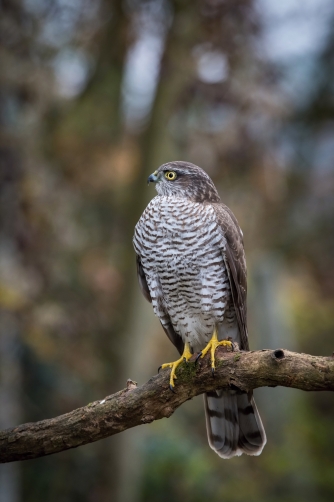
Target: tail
<point>233,423</point>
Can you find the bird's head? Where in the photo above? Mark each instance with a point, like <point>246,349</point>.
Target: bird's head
<point>185,180</point>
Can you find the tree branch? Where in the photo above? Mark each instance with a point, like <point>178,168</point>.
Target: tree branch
<point>154,400</point>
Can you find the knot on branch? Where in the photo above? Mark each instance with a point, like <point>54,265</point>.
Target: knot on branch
<point>130,384</point>
<point>278,355</point>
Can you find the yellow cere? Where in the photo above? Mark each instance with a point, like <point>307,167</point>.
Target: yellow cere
<point>170,175</point>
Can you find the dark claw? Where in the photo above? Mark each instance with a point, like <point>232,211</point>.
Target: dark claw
<point>159,368</point>
<point>199,355</point>
<point>213,372</point>
<point>232,344</point>
<point>172,388</point>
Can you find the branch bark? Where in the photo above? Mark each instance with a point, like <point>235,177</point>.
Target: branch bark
<point>154,400</point>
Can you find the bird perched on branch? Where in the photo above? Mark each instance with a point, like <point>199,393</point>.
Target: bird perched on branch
<point>191,266</point>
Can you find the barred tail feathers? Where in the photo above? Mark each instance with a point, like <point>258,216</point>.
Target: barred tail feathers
<point>233,423</point>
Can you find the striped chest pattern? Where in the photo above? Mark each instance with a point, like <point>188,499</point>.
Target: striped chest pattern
<point>181,248</point>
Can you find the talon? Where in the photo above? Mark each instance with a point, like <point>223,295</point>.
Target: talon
<point>159,368</point>
<point>200,355</point>
<point>211,346</point>
<point>184,358</point>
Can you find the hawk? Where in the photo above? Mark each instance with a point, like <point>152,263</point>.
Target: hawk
<point>191,266</point>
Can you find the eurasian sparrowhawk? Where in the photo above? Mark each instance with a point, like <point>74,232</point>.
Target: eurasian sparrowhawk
<point>191,266</point>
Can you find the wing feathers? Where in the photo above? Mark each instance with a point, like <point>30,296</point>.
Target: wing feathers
<point>234,257</point>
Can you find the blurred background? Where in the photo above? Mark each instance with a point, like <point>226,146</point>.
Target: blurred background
<point>94,96</point>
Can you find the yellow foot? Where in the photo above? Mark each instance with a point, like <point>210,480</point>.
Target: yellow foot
<point>212,345</point>
<point>184,358</point>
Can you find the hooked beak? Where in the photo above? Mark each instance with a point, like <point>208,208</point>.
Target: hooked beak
<point>153,178</point>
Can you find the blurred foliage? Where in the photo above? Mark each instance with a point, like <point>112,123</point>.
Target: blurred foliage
<point>94,96</point>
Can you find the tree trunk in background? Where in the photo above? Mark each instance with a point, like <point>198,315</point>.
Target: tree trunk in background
<point>176,72</point>
<point>273,328</point>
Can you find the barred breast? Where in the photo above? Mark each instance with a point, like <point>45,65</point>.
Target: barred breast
<point>181,247</point>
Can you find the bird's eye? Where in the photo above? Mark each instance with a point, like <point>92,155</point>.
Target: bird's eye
<point>170,175</point>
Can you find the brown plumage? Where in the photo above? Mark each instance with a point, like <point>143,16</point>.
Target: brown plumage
<point>191,266</point>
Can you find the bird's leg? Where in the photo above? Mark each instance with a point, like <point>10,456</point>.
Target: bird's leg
<point>184,358</point>
<point>212,345</point>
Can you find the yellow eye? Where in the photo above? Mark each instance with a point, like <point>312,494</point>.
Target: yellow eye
<point>171,175</point>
